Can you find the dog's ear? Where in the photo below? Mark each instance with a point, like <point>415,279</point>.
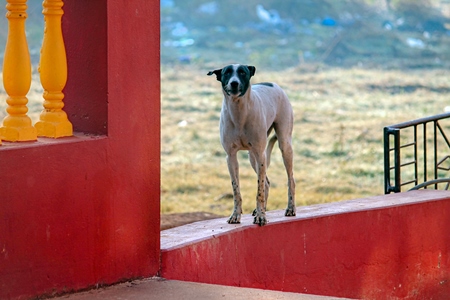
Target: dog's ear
<point>252,70</point>
<point>218,73</point>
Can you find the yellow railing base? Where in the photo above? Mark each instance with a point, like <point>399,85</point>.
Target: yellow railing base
<point>54,130</point>
<point>20,134</point>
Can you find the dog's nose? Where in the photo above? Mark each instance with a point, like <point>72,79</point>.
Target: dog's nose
<point>234,84</point>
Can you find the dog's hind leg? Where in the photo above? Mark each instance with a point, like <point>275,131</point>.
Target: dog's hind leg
<point>233,168</point>
<point>283,130</point>
<point>269,148</point>
<point>285,145</point>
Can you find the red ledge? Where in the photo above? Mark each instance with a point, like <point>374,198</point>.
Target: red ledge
<point>384,247</point>
<point>182,236</point>
<point>42,141</point>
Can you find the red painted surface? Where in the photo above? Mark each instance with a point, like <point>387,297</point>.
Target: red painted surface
<point>87,64</point>
<point>386,247</point>
<point>84,210</point>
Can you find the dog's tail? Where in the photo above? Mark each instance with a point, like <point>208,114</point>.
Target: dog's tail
<point>269,148</point>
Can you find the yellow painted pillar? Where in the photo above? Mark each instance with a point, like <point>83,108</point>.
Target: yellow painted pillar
<point>53,121</point>
<point>17,76</point>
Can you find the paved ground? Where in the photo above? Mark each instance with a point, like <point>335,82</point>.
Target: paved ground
<point>156,288</point>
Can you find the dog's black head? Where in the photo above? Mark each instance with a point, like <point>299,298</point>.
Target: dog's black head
<point>235,78</point>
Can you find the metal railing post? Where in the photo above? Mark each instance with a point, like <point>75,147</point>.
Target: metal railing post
<point>388,187</point>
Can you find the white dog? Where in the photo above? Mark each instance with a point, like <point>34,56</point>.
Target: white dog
<point>249,113</point>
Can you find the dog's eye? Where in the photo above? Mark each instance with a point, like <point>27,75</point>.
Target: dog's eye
<point>241,73</point>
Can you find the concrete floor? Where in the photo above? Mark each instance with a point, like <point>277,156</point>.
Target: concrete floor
<point>157,288</point>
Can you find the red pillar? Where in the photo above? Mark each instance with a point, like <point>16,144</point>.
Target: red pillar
<point>84,210</point>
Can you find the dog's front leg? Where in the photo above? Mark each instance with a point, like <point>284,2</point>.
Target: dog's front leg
<point>260,215</point>
<point>233,168</point>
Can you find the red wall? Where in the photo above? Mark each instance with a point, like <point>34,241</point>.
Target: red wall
<point>84,210</point>
<point>386,247</point>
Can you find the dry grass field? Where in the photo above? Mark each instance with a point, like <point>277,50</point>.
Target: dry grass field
<point>338,141</point>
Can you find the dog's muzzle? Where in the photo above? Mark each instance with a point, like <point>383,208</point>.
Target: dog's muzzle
<point>233,88</point>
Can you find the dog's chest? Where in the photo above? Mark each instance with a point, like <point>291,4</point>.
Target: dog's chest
<point>243,143</point>
<point>238,138</point>
<point>241,124</point>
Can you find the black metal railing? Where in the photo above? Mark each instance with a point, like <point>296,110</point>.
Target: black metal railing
<point>413,164</point>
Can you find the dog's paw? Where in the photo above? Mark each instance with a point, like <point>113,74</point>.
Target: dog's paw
<point>260,220</point>
<point>290,212</point>
<point>234,219</point>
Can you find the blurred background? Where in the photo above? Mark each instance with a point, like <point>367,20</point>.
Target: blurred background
<point>280,34</point>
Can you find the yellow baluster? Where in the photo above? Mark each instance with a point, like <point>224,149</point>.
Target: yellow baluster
<point>17,76</point>
<point>53,120</point>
